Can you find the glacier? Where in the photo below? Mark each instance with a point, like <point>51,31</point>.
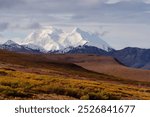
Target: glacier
<point>52,39</point>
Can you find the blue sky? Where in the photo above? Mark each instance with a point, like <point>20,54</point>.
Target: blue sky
<point>121,23</point>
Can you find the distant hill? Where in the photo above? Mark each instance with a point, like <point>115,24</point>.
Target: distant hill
<point>133,57</point>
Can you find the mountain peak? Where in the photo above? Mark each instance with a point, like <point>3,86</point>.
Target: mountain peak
<point>51,29</point>
<point>10,42</point>
<point>35,47</point>
<point>76,29</point>
<point>47,38</point>
<point>51,38</point>
<point>90,39</point>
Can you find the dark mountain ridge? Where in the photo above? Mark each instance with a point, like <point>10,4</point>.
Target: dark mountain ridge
<point>130,56</point>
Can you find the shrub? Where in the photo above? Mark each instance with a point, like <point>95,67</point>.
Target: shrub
<point>2,73</point>
<point>84,97</point>
<point>97,96</point>
<point>15,93</point>
<point>10,84</point>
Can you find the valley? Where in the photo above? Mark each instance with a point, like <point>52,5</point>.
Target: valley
<point>69,76</point>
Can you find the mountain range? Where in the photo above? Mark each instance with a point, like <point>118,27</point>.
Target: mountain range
<point>56,41</point>
<point>13,46</point>
<point>53,39</point>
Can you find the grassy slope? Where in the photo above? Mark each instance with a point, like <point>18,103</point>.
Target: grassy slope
<point>110,66</point>
<point>24,76</point>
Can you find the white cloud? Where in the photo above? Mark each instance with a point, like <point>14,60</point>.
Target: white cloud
<point>23,16</point>
<point>112,1</point>
<point>147,1</point>
<point>115,1</point>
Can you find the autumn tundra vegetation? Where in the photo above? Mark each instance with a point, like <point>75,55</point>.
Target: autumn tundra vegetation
<point>49,76</point>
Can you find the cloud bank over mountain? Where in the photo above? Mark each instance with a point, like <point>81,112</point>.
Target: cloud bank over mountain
<point>23,16</point>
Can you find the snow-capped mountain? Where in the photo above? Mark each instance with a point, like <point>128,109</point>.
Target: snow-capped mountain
<point>10,42</point>
<point>72,39</point>
<point>13,46</point>
<point>86,38</point>
<point>46,38</point>
<point>53,39</point>
<point>132,57</point>
<point>35,47</point>
<point>82,50</point>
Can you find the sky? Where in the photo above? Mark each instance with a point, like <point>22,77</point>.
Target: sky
<point>121,23</point>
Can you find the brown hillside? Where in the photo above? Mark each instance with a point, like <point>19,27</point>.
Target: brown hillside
<point>109,65</point>
<point>46,76</point>
<point>104,64</point>
<point>100,64</point>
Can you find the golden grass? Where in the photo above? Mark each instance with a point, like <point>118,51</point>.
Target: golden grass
<point>27,85</point>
